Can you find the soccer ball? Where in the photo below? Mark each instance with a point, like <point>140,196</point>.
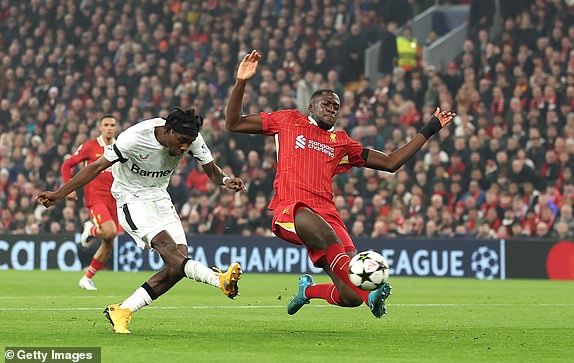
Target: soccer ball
<point>368,270</point>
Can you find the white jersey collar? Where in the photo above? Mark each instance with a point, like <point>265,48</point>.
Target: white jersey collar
<point>312,121</point>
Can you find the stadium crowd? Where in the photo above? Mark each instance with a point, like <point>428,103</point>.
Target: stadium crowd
<point>505,168</point>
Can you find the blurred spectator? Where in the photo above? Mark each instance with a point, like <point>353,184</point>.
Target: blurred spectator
<point>388,54</point>
<point>407,50</point>
<point>505,169</point>
<point>482,14</point>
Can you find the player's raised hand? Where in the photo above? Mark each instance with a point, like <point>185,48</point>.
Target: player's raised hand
<point>444,117</point>
<point>248,66</point>
<point>47,199</point>
<point>235,184</point>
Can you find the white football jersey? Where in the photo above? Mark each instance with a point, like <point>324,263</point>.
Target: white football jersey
<point>142,166</point>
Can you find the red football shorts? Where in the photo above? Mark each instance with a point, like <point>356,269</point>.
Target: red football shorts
<point>283,226</point>
<point>105,210</point>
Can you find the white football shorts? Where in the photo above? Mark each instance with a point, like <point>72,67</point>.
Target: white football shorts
<point>146,219</point>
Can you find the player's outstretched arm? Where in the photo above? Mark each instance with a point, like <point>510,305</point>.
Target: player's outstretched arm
<point>83,177</point>
<point>234,120</point>
<point>392,162</point>
<point>217,176</point>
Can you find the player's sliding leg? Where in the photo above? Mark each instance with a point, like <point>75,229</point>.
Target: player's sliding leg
<point>107,232</point>
<point>330,292</point>
<point>316,233</point>
<point>300,298</point>
<point>378,298</point>
<point>339,293</point>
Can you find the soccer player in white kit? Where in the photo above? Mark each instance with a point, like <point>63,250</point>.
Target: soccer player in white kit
<point>143,159</point>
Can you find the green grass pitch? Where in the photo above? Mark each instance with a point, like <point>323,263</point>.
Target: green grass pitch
<point>442,320</point>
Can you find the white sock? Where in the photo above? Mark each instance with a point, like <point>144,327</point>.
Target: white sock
<point>201,273</point>
<point>137,300</point>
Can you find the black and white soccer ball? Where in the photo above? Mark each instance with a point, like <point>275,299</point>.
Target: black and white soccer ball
<point>368,270</point>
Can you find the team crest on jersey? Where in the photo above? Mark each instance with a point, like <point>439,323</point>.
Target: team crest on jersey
<point>333,137</point>
<point>144,157</point>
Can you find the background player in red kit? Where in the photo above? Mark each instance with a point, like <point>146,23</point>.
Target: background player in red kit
<point>97,197</point>
<point>309,153</point>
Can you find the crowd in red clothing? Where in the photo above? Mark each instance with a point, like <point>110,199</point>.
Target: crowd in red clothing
<point>503,169</point>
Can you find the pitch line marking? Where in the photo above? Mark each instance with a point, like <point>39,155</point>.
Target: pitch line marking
<point>59,297</point>
<point>267,307</point>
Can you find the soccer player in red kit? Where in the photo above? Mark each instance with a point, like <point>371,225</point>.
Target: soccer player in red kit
<point>97,197</point>
<point>310,152</point>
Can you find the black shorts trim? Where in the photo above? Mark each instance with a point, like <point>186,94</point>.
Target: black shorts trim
<point>129,217</point>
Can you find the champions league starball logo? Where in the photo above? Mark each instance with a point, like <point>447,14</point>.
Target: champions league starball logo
<point>484,263</point>
<point>130,257</point>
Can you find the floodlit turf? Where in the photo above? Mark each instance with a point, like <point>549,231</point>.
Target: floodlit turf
<point>429,320</point>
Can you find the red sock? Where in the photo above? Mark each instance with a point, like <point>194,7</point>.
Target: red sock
<point>327,292</point>
<point>339,262</point>
<point>95,265</point>
<point>93,231</point>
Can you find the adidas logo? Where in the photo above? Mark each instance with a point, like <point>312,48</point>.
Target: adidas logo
<point>300,142</point>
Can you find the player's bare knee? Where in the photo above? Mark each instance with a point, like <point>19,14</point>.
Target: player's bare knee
<point>108,231</point>
<point>159,244</point>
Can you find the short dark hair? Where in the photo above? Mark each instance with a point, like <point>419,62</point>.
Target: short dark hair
<point>107,115</point>
<point>321,91</point>
<point>185,122</point>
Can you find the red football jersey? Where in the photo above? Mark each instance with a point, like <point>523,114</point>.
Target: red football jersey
<point>308,158</point>
<point>87,153</point>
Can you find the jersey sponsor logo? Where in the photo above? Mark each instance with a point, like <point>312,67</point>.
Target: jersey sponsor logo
<point>300,142</point>
<point>321,147</point>
<point>152,174</point>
